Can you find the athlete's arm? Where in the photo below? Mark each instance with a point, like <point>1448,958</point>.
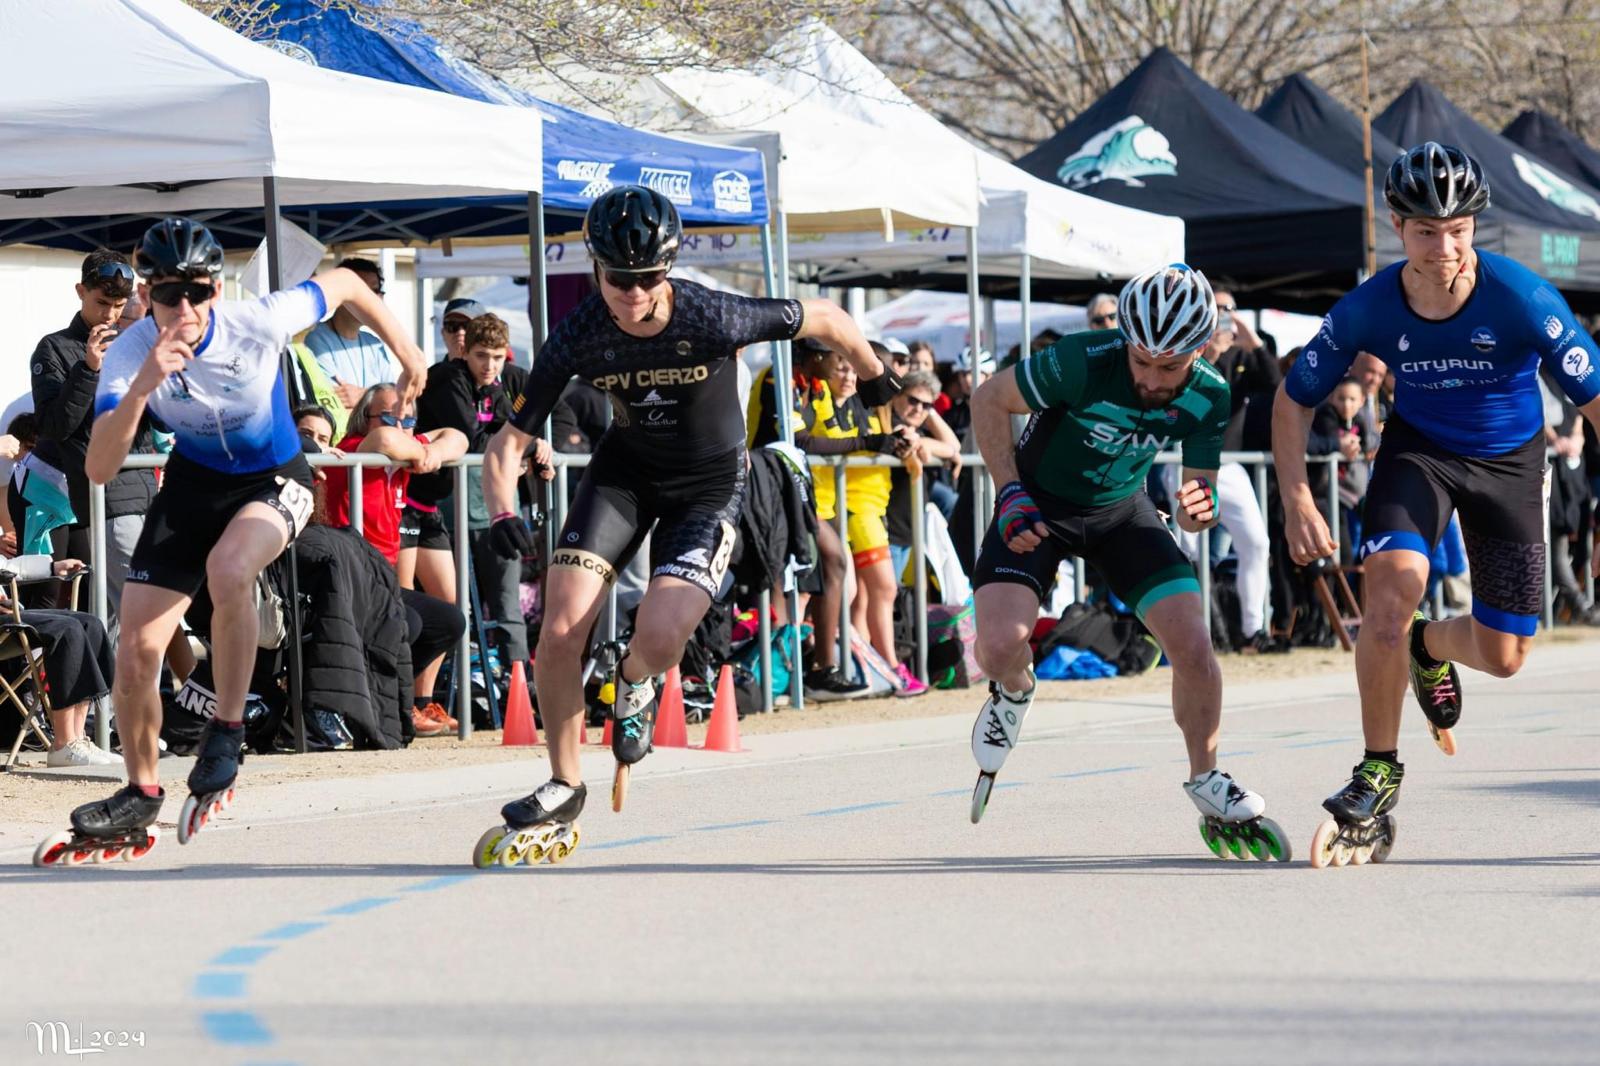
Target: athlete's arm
<point>1305,528</point>
<point>344,287</point>
<point>827,322</point>
<point>1198,508</point>
<point>112,435</point>
<point>996,400</point>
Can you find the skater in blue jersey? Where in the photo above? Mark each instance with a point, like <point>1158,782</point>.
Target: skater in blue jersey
<point>1465,333</point>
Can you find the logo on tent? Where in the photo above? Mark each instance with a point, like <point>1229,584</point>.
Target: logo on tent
<point>673,184</point>
<point>1125,152</point>
<point>294,50</point>
<point>1554,188</point>
<point>730,191</point>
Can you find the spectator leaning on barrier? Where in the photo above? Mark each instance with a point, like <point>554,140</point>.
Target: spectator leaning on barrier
<point>381,424</point>
<point>453,325</point>
<point>351,355</point>
<point>66,371</point>
<point>931,439</point>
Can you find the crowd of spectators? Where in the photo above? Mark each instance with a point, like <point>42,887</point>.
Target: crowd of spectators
<point>852,561</point>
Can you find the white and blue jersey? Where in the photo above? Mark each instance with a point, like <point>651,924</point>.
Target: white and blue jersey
<point>227,408</point>
<point>1469,383</point>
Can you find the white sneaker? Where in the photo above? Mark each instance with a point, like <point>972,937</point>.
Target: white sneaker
<point>77,753</point>
<point>101,756</point>
<point>1215,793</point>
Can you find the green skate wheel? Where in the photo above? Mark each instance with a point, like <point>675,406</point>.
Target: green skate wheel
<point>980,796</point>
<point>1236,842</point>
<point>1274,844</point>
<point>1212,838</point>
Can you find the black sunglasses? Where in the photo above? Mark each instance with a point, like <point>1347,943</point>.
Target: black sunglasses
<point>112,270</point>
<point>1112,317</point>
<point>627,281</point>
<point>172,293</point>
<point>455,325</point>
<point>408,422</point>
<point>916,404</point>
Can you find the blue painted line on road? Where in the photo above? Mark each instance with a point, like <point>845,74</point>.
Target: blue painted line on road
<point>628,843</point>
<point>246,956</point>
<point>998,785</point>
<point>852,809</point>
<point>731,825</point>
<point>235,1027</point>
<point>219,984</point>
<point>1233,754</point>
<point>359,905</point>
<point>1097,773</point>
<point>292,930</point>
<point>1318,743</point>
<point>433,884</point>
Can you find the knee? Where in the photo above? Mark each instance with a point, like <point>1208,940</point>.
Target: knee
<point>138,663</point>
<point>228,580</point>
<point>1503,658</point>
<point>996,652</point>
<point>561,639</point>
<point>1191,654</point>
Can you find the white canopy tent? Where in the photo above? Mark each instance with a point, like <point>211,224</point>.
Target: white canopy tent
<point>159,111</point>
<point>943,320</point>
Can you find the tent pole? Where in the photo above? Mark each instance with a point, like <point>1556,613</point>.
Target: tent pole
<point>975,338</point>
<point>1025,296</point>
<point>780,228</point>
<point>1371,231</point>
<point>274,221</point>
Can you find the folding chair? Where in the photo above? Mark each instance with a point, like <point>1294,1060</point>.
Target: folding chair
<point>1339,602</point>
<point>20,643</point>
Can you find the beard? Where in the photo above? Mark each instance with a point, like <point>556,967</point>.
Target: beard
<point>1149,401</point>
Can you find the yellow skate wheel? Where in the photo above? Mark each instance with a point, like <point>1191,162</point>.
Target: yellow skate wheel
<point>483,855</point>
<point>559,852</point>
<point>619,786</point>
<point>1322,844</point>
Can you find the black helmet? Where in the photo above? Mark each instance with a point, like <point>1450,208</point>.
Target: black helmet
<point>632,228</point>
<point>177,248</point>
<point>1436,180</point>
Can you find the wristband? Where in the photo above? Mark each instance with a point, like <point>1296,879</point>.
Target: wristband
<point>1016,512</point>
<point>875,392</point>
<point>502,516</point>
<point>1206,484</point>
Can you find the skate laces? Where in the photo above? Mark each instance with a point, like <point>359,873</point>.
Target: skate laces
<point>1443,690</point>
<point>994,733</point>
<point>632,726</point>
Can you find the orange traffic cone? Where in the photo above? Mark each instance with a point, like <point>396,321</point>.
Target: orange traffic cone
<point>723,735</point>
<point>605,735</point>
<point>672,728</point>
<point>519,729</point>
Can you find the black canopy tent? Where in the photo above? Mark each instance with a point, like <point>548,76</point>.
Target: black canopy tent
<point>1537,215</point>
<point>1541,134</point>
<point>1307,112</point>
<point>1281,221</point>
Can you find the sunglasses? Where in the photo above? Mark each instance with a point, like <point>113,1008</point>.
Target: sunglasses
<point>408,422</point>
<point>173,293</point>
<point>626,281</point>
<point>1097,319</point>
<point>1227,309</point>
<point>456,325</point>
<point>112,270</point>
<point>918,405</point>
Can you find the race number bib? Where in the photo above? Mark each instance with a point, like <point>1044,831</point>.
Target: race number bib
<point>296,503</point>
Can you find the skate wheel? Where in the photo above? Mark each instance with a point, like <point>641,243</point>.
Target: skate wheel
<point>1212,838</point>
<point>559,852</point>
<point>1385,843</point>
<point>190,819</point>
<point>980,796</point>
<point>1324,844</point>
<point>619,786</point>
<point>1269,838</point>
<point>111,854</point>
<point>138,851</point>
<point>52,849</point>
<point>79,856</point>
<point>510,855</point>
<point>483,854</point>
<point>534,854</point>
<point>1237,845</point>
<point>1342,854</point>
<point>1445,738</point>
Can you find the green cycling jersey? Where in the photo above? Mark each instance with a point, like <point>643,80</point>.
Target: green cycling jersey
<point>1091,441</point>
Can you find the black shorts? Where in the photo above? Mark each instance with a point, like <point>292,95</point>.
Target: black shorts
<point>1503,505</point>
<point>423,529</point>
<point>194,507</point>
<point>1126,541</point>
<point>695,517</point>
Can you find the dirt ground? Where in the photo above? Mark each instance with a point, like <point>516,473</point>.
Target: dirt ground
<point>34,796</point>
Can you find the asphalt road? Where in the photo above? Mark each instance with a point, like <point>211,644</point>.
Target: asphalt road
<point>823,897</point>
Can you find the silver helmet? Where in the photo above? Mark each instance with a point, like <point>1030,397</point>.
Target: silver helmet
<point>1168,311</point>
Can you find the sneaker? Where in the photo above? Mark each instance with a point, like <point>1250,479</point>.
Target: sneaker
<point>1263,643</point>
<point>912,687</point>
<point>829,684</point>
<point>76,753</point>
<point>424,725</point>
<point>101,756</point>
<point>437,712</point>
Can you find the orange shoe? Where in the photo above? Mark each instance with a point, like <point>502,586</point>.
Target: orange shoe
<point>425,725</point>
<point>439,714</point>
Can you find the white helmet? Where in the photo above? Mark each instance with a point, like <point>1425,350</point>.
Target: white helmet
<point>985,360</point>
<point>1168,311</point>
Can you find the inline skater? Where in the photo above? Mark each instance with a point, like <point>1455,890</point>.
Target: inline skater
<point>235,493</point>
<point>674,458</point>
<point>1103,403</point>
<point>1464,332</point>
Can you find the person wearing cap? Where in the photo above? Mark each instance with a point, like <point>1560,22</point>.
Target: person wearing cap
<point>1465,333</point>
<point>453,324</point>
<point>354,357</point>
<point>66,371</point>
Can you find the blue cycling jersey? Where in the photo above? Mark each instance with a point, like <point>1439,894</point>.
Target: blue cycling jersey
<point>227,408</point>
<point>1469,382</point>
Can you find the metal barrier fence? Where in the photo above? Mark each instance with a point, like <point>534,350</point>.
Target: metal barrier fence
<point>983,488</point>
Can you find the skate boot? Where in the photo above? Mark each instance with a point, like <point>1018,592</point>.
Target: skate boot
<point>216,766</point>
<point>541,826</point>
<point>1231,821</point>
<point>994,734</point>
<point>119,827</point>
<point>633,729</point>
<point>1437,687</point>
<point>1361,828</point>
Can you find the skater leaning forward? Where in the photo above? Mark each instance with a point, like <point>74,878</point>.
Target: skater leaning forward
<point>1464,333</point>
<point>1103,403</point>
<point>674,459</point>
<point>235,493</point>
